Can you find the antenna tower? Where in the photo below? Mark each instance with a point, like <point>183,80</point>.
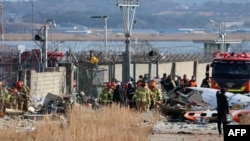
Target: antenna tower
<point>127,8</point>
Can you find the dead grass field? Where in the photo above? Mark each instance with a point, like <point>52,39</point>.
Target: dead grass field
<point>84,124</point>
<point>106,124</point>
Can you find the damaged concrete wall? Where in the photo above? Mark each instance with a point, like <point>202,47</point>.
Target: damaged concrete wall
<point>47,82</point>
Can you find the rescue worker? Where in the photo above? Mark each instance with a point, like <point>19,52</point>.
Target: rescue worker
<point>4,95</point>
<point>192,82</point>
<point>130,91</point>
<point>222,109</point>
<point>23,98</point>
<point>13,92</point>
<point>155,96</point>
<point>206,83</point>
<point>119,95</point>
<point>106,94</point>
<point>164,76</point>
<point>168,84</point>
<point>184,81</point>
<point>142,97</point>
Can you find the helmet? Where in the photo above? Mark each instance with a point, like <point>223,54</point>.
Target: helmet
<point>125,85</point>
<point>130,84</point>
<point>143,83</point>
<point>139,83</point>
<point>118,83</point>
<point>113,84</point>
<point>108,84</point>
<point>152,83</point>
<point>19,84</point>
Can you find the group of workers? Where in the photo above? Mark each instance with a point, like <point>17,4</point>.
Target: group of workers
<point>145,95</point>
<point>18,96</point>
<point>142,96</point>
<point>169,84</point>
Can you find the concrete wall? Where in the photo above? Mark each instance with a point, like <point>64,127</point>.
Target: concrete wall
<point>201,71</point>
<point>47,82</point>
<point>189,68</point>
<point>55,82</point>
<point>165,68</point>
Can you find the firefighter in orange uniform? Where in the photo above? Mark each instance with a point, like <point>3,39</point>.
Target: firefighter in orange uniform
<point>192,82</point>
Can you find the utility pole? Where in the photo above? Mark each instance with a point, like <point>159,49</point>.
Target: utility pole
<point>105,18</point>
<point>127,9</point>
<point>42,37</point>
<point>32,20</point>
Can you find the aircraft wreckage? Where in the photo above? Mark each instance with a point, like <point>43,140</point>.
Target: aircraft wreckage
<point>52,104</point>
<point>198,104</point>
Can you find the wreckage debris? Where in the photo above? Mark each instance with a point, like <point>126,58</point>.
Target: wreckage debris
<point>199,105</point>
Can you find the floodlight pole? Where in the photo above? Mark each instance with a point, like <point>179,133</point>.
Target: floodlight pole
<point>105,23</point>
<point>222,33</point>
<point>127,9</point>
<point>48,22</point>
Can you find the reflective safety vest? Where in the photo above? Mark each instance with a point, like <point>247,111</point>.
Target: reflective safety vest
<point>156,94</point>
<point>25,90</point>
<point>192,83</point>
<point>142,94</point>
<point>106,95</point>
<point>4,95</point>
<point>25,93</point>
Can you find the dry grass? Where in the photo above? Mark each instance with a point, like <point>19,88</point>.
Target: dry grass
<point>84,124</point>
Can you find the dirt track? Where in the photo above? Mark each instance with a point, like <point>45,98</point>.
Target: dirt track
<point>121,37</point>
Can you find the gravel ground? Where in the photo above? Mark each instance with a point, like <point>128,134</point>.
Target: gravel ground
<point>18,122</point>
<point>184,131</point>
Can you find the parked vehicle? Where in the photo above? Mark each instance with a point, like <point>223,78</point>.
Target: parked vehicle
<point>231,71</point>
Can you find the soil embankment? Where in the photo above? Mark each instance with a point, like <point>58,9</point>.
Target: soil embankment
<point>119,37</point>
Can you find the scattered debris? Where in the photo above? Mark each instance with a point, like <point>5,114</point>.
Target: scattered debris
<point>198,104</point>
